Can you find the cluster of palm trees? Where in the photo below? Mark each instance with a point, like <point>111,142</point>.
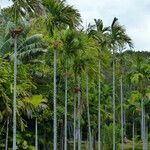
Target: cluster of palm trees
<point>82,56</point>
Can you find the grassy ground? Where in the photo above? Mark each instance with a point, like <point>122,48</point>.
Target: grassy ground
<point>138,146</point>
<point>128,146</point>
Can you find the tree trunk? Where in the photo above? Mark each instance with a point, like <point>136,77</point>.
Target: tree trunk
<point>99,112</point>
<point>133,135</point>
<point>7,132</point>
<point>55,115</point>
<point>79,132</point>
<point>66,100</point>
<point>114,105</point>
<point>143,126</point>
<point>122,131</point>
<point>14,100</point>
<point>36,134</point>
<point>88,114</point>
<point>142,122</point>
<point>124,122</point>
<point>74,143</point>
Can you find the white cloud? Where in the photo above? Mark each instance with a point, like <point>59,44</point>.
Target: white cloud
<point>5,3</point>
<point>134,14</point>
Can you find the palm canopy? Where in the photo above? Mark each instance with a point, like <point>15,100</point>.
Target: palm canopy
<point>84,62</point>
<point>72,43</point>
<point>35,103</point>
<point>28,47</point>
<point>22,9</point>
<point>60,15</point>
<point>118,36</point>
<point>98,27</point>
<point>98,31</point>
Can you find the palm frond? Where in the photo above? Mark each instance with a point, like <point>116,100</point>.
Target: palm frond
<point>33,39</point>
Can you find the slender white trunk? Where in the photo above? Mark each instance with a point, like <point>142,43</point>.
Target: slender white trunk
<point>79,132</point>
<point>121,93</point>
<point>114,105</point>
<point>124,122</point>
<point>55,115</point>
<point>88,114</point>
<point>74,143</point>
<point>133,136</point>
<point>36,134</point>
<point>66,100</point>
<point>142,121</point>
<point>144,148</point>
<point>14,100</point>
<point>7,132</point>
<point>99,112</point>
<point>144,126</point>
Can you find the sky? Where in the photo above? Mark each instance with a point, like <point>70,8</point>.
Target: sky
<point>133,14</point>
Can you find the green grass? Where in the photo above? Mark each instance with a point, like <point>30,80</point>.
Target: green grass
<point>128,146</point>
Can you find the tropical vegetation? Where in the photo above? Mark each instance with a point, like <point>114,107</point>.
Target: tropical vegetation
<point>63,86</point>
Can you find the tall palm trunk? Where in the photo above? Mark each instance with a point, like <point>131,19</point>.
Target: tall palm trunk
<point>88,113</point>
<point>79,132</point>
<point>7,132</point>
<point>142,120</point>
<point>36,134</point>
<point>66,92</point>
<point>74,143</point>
<point>121,93</point>
<point>133,134</point>
<point>14,100</point>
<point>143,125</point>
<point>55,115</point>
<point>114,105</point>
<point>99,112</point>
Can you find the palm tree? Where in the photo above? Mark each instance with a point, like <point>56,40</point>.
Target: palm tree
<point>74,133</point>
<point>79,65</point>
<point>89,70</point>
<point>118,37</point>
<point>70,46</point>
<point>99,33</point>
<point>17,9</point>
<point>66,96</point>
<point>81,62</point>
<point>58,16</point>
<point>125,40</point>
<point>79,117</point>
<point>24,51</point>
<point>88,110</point>
<point>88,114</point>
<point>14,101</point>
